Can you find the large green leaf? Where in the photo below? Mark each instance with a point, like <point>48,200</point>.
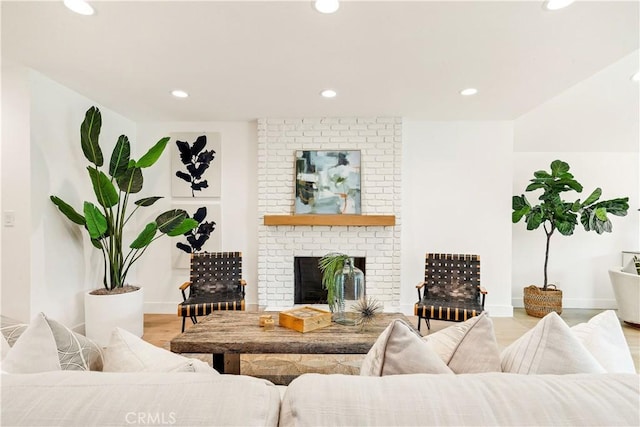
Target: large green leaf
<point>145,237</point>
<point>97,243</point>
<point>96,221</point>
<point>541,174</point>
<point>534,186</point>
<point>131,180</point>
<point>520,207</point>
<point>601,213</point>
<point>559,167</point>
<point>169,220</point>
<point>565,228</point>
<point>68,211</point>
<point>187,225</point>
<point>89,133</point>
<point>147,201</point>
<point>106,193</point>
<point>120,156</point>
<point>534,219</point>
<point>153,154</point>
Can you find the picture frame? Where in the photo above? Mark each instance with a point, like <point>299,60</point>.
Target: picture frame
<point>328,182</point>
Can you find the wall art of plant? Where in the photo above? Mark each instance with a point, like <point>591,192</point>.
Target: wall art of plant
<point>196,160</point>
<point>197,237</point>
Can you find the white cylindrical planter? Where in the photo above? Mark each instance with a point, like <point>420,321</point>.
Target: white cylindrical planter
<point>102,313</point>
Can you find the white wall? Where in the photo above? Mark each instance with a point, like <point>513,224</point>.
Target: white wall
<point>16,182</point>
<point>594,127</point>
<point>238,202</point>
<point>45,256</point>
<point>457,199</point>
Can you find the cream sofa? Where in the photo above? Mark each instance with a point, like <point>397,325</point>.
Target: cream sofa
<point>551,375</point>
<point>200,399</point>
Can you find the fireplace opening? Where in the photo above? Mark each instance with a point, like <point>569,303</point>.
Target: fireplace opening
<point>308,279</point>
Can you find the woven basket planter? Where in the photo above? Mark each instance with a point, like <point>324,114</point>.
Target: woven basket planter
<point>539,303</point>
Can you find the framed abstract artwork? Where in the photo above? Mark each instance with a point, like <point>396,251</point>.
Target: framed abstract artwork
<point>196,164</point>
<point>327,182</point>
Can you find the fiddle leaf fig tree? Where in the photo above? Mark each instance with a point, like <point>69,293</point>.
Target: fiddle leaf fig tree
<point>554,213</point>
<point>105,221</point>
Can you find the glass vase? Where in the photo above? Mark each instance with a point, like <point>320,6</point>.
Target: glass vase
<point>349,290</point>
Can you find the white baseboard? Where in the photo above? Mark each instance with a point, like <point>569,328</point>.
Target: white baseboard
<point>603,304</point>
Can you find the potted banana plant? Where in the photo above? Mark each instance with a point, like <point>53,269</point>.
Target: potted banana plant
<point>555,214</point>
<point>118,303</point>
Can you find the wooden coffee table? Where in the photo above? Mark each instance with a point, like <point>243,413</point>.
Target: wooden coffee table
<point>228,334</point>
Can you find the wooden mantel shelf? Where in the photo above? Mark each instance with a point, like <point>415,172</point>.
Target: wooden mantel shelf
<point>344,219</point>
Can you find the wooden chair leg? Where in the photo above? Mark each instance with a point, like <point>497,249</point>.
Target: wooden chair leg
<point>184,318</point>
<point>419,320</point>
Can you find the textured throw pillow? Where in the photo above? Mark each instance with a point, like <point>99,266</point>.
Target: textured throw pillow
<point>400,350</point>
<point>128,353</point>
<point>468,347</point>
<point>11,329</point>
<point>47,345</point>
<point>549,348</point>
<point>602,335</point>
<point>5,346</point>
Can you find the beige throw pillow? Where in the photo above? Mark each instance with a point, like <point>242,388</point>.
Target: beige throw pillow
<point>400,350</point>
<point>47,345</point>
<point>602,335</point>
<point>549,348</point>
<point>5,347</point>
<point>128,353</point>
<point>468,347</point>
<point>11,329</point>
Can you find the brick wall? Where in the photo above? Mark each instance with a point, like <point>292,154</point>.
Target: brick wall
<point>380,143</point>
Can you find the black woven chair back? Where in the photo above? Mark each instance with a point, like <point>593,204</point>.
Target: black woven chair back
<point>452,277</point>
<point>215,273</point>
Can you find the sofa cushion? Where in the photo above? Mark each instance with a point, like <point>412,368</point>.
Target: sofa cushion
<point>602,335</point>
<point>549,348</point>
<point>66,398</point>
<point>128,353</point>
<point>46,345</point>
<point>400,350</point>
<point>468,347</point>
<point>487,399</point>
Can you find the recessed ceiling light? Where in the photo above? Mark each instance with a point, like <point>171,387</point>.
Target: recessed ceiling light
<point>79,6</point>
<point>636,77</point>
<point>326,6</point>
<point>328,93</point>
<point>557,4</point>
<point>179,93</point>
<point>469,91</point>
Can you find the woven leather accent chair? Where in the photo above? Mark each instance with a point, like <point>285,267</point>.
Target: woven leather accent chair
<point>451,288</point>
<point>216,284</point>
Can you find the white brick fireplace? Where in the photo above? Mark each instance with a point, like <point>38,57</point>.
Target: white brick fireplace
<point>380,143</point>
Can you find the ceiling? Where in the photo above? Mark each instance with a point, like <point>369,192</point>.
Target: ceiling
<point>243,60</point>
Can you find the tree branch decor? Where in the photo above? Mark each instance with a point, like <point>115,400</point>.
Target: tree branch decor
<point>197,237</point>
<point>197,160</point>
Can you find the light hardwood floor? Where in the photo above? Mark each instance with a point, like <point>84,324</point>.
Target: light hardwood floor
<point>159,329</point>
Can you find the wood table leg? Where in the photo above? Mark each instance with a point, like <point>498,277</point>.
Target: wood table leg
<point>227,363</point>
